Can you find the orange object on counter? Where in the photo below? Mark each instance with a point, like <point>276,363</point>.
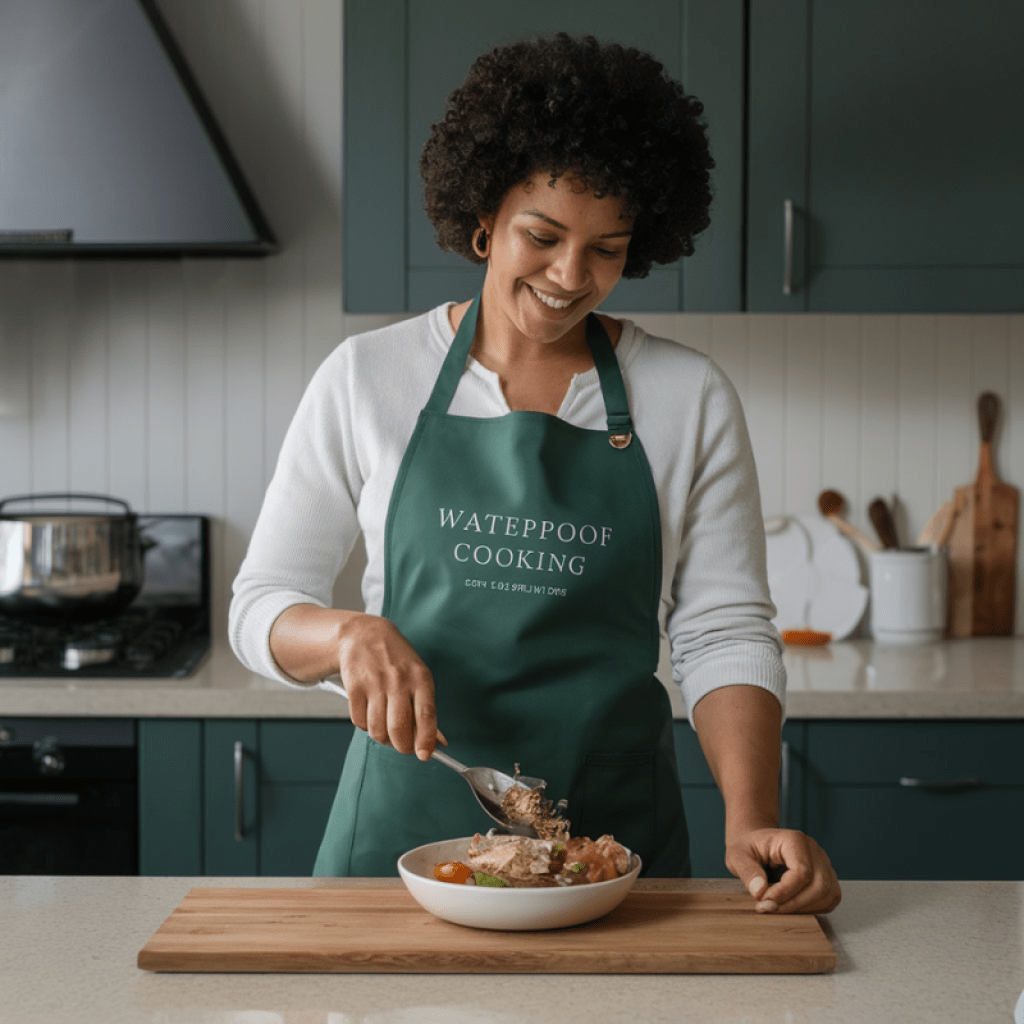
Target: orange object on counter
<point>452,871</point>
<point>805,637</point>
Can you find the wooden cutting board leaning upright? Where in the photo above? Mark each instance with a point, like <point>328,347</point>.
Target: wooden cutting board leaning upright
<point>983,544</point>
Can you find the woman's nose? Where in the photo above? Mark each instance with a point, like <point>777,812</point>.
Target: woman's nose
<point>569,269</point>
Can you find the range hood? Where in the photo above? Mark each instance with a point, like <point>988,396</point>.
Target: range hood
<point>107,146</point>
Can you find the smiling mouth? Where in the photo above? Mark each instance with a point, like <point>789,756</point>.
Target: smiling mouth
<point>550,301</point>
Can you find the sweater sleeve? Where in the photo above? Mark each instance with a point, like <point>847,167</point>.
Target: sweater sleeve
<point>308,523</point>
<point>720,628</point>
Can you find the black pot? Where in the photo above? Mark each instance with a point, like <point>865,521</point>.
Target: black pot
<point>64,566</point>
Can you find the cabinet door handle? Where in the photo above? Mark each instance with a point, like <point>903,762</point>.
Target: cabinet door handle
<point>239,790</point>
<point>940,783</point>
<point>40,799</point>
<point>784,785</point>
<point>787,246</point>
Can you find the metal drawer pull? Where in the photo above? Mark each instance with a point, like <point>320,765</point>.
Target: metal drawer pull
<point>239,793</point>
<point>784,786</point>
<point>940,783</point>
<point>787,229</point>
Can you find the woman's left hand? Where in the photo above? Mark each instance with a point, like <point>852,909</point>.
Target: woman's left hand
<point>808,882</point>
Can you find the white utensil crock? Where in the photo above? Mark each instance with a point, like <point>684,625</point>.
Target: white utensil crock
<point>908,595</point>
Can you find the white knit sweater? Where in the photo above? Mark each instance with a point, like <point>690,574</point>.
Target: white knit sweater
<point>342,452</point>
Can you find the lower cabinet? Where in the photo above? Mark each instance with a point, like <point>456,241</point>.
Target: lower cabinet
<point>885,799</point>
<point>924,800</point>
<point>236,796</point>
<point>705,809</point>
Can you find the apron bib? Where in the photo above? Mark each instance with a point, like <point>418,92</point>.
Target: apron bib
<point>523,564</point>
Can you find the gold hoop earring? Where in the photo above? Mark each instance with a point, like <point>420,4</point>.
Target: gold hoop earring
<point>480,242</point>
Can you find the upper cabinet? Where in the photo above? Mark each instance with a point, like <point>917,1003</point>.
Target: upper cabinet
<point>402,59</point>
<point>885,158</point>
<point>882,160</point>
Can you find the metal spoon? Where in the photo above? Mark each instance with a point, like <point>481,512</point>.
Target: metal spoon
<point>489,787</point>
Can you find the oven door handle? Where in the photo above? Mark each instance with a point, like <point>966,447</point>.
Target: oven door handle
<point>40,799</point>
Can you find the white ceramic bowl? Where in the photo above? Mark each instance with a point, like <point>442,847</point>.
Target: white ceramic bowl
<point>481,906</point>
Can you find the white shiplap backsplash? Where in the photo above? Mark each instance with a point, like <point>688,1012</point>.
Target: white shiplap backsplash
<point>171,383</point>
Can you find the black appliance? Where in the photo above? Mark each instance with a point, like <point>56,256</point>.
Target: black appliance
<point>68,797</point>
<point>164,632</point>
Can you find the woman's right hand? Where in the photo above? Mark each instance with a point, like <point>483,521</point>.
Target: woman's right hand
<point>390,690</point>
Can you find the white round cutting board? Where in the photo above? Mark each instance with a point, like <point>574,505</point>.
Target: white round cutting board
<point>814,577</point>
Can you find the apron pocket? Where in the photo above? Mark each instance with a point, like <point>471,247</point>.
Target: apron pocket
<point>616,795</point>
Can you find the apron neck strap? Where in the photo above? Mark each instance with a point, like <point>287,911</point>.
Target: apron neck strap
<point>612,387</point>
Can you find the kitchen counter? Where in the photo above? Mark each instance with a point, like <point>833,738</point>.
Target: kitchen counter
<point>908,952</point>
<point>974,678</point>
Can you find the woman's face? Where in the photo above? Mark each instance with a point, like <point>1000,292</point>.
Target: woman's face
<point>555,254</point>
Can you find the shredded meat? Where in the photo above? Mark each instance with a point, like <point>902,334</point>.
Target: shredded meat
<point>522,806</point>
<point>522,862</point>
<point>539,863</point>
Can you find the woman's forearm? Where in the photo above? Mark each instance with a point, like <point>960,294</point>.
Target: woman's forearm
<point>306,639</point>
<point>739,728</point>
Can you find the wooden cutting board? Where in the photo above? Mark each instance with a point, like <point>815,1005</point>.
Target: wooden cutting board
<point>379,928</point>
<point>983,544</point>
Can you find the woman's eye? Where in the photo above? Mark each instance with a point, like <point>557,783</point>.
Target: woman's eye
<point>540,239</point>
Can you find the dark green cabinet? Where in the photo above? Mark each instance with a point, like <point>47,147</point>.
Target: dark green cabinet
<point>301,764</point>
<point>888,127</point>
<point>886,799</point>
<point>403,57</point>
<point>236,796</point>
<point>926,800</point>
<point>705,809</point>
<point>885,129</point>
<point>171,797</point>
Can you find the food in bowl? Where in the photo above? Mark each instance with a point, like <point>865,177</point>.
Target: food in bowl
<point>520,862</point>
<point>506,908</point>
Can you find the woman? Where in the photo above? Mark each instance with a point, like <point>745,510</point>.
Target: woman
<point>525,549</point>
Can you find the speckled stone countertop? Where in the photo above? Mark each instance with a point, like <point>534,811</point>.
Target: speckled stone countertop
<point>912,952</point>
<point>976,678</point>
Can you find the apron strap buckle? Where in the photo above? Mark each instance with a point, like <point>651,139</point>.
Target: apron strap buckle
<point>620,440</point>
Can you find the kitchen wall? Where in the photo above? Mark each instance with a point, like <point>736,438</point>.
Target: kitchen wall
<point>171,384</point>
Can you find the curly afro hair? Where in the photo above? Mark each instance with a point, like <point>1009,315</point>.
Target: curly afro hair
<point>605,113</point>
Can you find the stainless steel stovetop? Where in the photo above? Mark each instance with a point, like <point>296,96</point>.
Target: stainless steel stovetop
<point>165,632</point>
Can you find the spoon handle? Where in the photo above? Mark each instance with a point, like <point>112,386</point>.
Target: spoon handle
<point>862,540</point>
<point>449,761</point>
<point>882,520</point>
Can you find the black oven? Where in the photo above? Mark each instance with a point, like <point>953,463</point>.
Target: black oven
<point>68,796</point>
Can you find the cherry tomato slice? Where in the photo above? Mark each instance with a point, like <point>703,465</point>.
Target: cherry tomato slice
<point>452,871</point>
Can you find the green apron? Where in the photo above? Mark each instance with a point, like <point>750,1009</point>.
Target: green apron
<point>523,564</point>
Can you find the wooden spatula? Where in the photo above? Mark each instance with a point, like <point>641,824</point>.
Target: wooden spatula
<point>983,545</point>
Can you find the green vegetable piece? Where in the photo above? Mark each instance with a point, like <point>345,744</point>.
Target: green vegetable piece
<point>578,867</point>
<point>484,879</point>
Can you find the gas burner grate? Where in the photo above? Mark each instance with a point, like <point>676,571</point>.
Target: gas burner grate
<point>168,642</point>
